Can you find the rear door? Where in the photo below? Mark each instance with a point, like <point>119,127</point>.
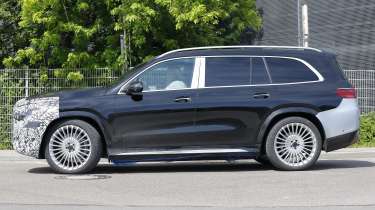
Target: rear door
<point>227,116</point>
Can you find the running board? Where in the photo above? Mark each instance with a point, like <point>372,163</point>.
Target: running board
<point>184,155</point>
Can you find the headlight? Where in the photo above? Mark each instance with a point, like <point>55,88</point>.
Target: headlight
<point>21,112</point>
<point>19,116</point>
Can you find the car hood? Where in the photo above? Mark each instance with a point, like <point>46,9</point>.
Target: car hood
<point>77,93</point>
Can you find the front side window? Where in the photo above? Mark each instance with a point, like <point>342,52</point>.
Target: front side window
<point>169,75</point>
<point>227,71</point>
<point>285,70</point>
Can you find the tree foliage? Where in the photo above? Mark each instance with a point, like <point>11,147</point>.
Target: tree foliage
<point>85,33</point>
<point>11,35</point>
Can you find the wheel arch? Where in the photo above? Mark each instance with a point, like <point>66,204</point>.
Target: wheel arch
<point>84,116</point>
<point>277,115</point>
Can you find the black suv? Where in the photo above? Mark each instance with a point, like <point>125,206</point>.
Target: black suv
<point>278,104</point>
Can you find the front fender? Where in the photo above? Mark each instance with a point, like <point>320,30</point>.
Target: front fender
<point>98,120</point>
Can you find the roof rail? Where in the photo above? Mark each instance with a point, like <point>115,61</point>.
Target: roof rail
<point>239,46</point>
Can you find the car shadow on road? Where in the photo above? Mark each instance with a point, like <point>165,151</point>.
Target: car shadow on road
<point>208,167</point>
<point>342,164</point>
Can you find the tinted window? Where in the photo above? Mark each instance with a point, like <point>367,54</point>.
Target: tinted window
<point>227,71</point>
<point>285,70</point>
<point>259,72</point>
<point>168,75</point>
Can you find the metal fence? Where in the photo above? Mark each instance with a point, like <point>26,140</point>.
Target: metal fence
<point>364,82</point>
<point>16,84</point>
<point>19,83</point>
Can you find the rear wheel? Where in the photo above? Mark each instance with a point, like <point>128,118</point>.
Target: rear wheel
<point>293,143</point>
<point>73,147</point>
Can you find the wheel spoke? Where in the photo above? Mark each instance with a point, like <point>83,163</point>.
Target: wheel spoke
<point>295,144</point>
<point>70,147</point>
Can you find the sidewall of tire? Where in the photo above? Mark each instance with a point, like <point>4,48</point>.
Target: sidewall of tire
<point>96,147</point>
<point>270,150</point>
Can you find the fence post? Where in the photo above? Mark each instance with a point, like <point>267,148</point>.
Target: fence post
<point>27,82</point>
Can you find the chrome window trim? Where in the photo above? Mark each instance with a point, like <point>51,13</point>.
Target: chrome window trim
<point>195,76</point>
<point>315,71</point>
<point>239,46</point>
<point>261,85</point>
<point>199,73</point>
<point>202,73</point>
<point>186,151</point>
<point>196,72</point>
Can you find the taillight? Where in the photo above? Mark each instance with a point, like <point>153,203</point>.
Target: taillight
<point>346,93</point>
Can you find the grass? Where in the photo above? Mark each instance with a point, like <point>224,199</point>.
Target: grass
<point>367,131</point>
<point>363,145</point>
<point>5,145</point>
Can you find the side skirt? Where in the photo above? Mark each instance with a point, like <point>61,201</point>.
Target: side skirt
<point>183,155</point>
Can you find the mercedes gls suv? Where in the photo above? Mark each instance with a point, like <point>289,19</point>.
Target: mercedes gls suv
<point>281,105</point>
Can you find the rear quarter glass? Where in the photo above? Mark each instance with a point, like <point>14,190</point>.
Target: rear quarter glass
<point>332,61</point>
<point>328,67</point>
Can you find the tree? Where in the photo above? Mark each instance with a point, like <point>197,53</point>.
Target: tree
<point>11,36</point>
<point>156,26</point>
<point>85,33</point>
<point>66,33</point>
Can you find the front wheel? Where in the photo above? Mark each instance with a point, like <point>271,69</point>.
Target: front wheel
<point>73,147</point>
<point>293,143</point>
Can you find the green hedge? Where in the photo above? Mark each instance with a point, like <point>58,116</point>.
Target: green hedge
<point>367,132</point>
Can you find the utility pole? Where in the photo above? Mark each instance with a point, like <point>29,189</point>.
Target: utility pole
<point>305,25</point>
<point>123,47</point>
<point>299,38</point>
<point>126,51</point>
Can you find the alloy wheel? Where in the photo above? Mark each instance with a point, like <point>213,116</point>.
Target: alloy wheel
<point>70,147</point>
<point>295,144</point>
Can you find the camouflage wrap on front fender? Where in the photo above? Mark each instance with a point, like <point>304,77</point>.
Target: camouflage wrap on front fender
<point>30,120</point>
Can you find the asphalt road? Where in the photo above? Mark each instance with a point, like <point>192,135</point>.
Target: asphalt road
<point>341,180</point>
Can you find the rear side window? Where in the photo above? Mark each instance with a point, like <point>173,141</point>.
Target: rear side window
<point>284,70</point>
<point>259,73</point>
<point>227,71</point>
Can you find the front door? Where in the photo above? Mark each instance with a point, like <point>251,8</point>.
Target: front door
<point>163,117</point>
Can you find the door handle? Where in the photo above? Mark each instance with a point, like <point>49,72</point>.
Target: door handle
<point>261,95</point>
<point>183,100</point>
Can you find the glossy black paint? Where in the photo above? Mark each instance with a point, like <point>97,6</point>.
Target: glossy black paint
<point>224,117</point>
<point>228,117</point>
<point>155,121</point>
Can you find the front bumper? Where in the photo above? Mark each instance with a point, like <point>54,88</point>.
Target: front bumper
<point>30,121</point>
<point>342,141</point>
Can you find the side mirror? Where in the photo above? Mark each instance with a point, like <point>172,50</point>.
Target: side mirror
<point>135,88</point>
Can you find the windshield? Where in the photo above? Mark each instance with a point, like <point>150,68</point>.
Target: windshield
<point>128,73</point>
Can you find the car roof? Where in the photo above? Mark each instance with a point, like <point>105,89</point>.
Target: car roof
<point>241,50</point>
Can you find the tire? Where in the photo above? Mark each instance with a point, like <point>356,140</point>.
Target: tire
<point>293,143</point>
<point>73,147</point>
<point>262,159</point>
